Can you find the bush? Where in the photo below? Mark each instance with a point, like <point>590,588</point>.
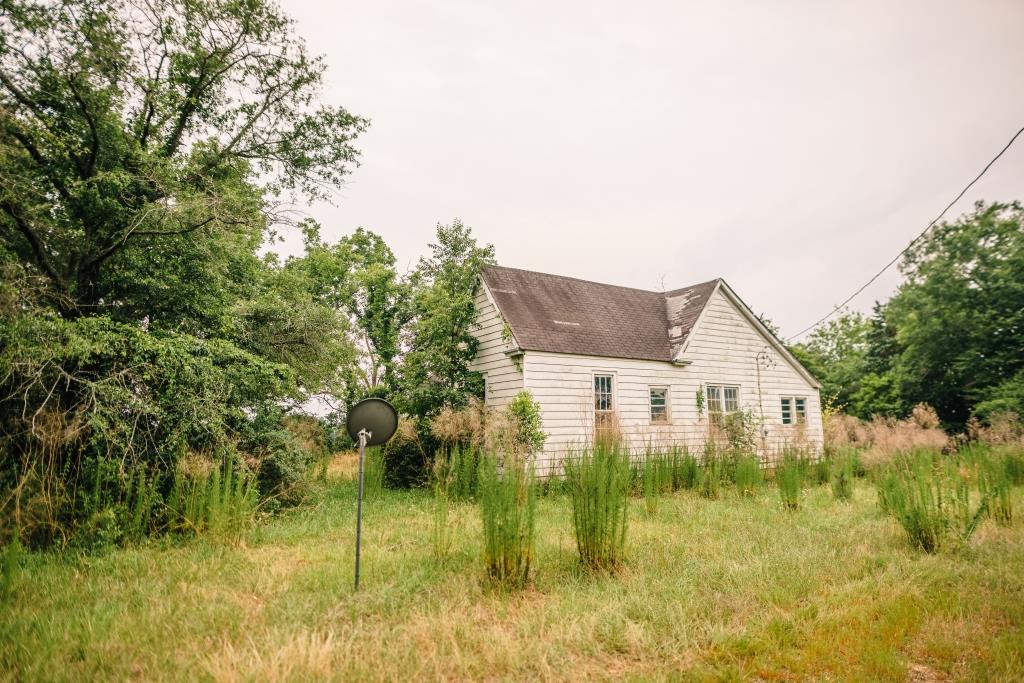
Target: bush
<point>284,468</point>
<point>525,413</point>
<point>508,505</point>
<point>598,481</point>
<point>404,457</point>
<point>930,497</point>
<point>789,478</point>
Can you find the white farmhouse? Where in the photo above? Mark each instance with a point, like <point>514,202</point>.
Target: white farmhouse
<point>666,367</point>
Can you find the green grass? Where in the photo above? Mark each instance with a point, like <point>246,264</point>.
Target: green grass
<point>730,589</point>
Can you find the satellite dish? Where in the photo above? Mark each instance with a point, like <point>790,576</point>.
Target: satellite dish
<point>376,417</point>
<point>371,422</point>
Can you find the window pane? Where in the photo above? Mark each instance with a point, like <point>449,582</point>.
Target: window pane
<point>731,404</point>
<point>714,399</point>
<point>801,410</point>
<point>603,392</point>
<point>659,405</point>
<point>787,415</point>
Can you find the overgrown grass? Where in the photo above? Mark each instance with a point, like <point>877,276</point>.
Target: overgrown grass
<point>220,503</point>
<point>598,482</point>
<point>733,589</point>
<point>932,499</point>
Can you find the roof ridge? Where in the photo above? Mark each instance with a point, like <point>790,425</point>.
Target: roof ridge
<point>602,284</point>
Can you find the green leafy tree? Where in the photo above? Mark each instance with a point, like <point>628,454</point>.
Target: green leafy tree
<point>146,150</point>
<point>439,339</point>
<point>357,278</point>
<point>134,132</point>
<point>959,317</point>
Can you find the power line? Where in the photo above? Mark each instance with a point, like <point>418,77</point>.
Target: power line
<point>912,242</point>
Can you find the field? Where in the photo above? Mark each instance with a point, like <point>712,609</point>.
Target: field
<point>731,589</point>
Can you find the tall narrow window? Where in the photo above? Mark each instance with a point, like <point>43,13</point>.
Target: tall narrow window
<point>604,401</point>
<point>722,401</point>
<point>659,405</point>
<point>794,410</point>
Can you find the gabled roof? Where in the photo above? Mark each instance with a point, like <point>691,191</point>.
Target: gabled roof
<point>565,315</point>
<point>561,314</point>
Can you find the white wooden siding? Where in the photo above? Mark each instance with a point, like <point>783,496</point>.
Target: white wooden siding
<point>722,349</point>
<point>504,379</point>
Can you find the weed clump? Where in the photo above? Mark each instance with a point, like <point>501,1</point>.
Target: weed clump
<point>598,481</point>
<point>508,507</point>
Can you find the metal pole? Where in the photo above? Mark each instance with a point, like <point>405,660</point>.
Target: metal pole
<point>363,436</point>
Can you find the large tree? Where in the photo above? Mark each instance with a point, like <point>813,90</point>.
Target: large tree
<point>440,338</point>
<point>131,132</point>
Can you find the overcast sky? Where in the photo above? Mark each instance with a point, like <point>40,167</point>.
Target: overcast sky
<point>791,148</point>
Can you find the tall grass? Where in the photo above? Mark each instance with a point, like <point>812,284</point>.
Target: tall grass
<point>746,473</point>
<point>459,467</point>
<point>508,506</point>
<point>930,496</point>
<point>789,477</point>
<point>713,471</point>
<point>221,502</point>
<point>843,472</point>
<point>598,481</point>
<point>655,476</point>
<point>685,469</point>
<point>995,474</point>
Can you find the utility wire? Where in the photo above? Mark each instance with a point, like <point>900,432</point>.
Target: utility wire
<point>912,242</point>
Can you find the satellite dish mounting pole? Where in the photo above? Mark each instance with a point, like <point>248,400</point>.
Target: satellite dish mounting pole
<point>364,436</point>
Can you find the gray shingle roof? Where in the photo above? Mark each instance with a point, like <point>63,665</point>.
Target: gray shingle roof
<point>565,315</point>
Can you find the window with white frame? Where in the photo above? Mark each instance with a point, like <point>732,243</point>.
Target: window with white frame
<point>794,410</point>
<point>604,399</point>
<point>722,400</point>
<point>659,405</point>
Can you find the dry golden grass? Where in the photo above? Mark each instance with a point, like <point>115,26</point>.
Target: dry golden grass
<point>882,439</point>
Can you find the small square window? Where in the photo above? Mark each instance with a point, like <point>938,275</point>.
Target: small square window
<point>794,410</point>
<point>659,405</point>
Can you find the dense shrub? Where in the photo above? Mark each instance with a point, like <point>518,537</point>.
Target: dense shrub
<point>284,466</point>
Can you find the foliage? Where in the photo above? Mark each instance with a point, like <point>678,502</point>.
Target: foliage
<point>598,482</point>
<point>524,411</point>
<point>357,278</point>
<point>966,275</point>
<point>435,371</point>
<point>508,507</point>
<point>146,150</point>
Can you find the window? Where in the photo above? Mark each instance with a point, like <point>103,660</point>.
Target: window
<point>604,401</point>
<point>794,410</point>
<point>722,401</point>
<point>659,405</point>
